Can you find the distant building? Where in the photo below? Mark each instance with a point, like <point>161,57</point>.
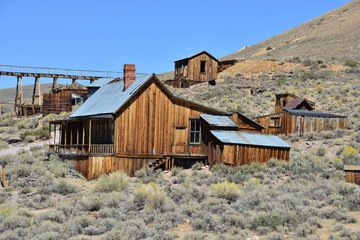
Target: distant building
<point>352,173</point>
<point>198,68</point>
<point>294,115</point>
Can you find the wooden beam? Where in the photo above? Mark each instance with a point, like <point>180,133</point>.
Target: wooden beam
<point>55,84</point>
<point>3,177</point>
<point>90,122</point>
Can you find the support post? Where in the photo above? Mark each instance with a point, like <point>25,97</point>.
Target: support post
<point>74,81</point>
<point>55,84</point>
<point>3,177</point>
<point>90,121</point>
<point>19,99</point>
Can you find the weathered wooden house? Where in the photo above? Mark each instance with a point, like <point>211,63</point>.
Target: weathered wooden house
<point>352,173</point>
<point>198,68</point>
<point>62,99</point>
<point>294,115</point>
<point>127,125</point>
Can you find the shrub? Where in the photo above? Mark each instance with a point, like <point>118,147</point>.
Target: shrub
<point>147,175</point>
<point>225,190</point>
<point>64,188</point>
<point>53,215</point>
<point>149,195</point>
<point>351,63</point>
<point>197,166</point>
<point>116,181</point>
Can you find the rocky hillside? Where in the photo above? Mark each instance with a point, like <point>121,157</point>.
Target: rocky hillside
<point>333,37</point>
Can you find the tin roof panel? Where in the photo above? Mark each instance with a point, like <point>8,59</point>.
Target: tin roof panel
<point>248,138</point>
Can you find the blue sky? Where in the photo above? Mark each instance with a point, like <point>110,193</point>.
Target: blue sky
<point>103,35</point>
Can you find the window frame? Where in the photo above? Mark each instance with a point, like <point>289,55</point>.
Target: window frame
<point>195,133</point>
<point>203,67</point>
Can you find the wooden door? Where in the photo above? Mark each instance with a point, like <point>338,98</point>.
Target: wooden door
<point>180,141</point>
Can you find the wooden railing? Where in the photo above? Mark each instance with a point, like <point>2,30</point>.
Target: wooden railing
<point>102,148</point>
<point>78,149</point>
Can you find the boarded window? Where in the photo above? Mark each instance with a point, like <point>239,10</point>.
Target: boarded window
<point>194,131</point>
<point>275,122</point>
<point>202,66</point>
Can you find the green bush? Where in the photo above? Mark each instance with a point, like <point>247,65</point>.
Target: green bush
<point>351,63</point>
<point>116,181</point>
<point>225,190</point>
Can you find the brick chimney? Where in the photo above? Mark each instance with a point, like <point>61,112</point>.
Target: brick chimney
<point>129,75</point>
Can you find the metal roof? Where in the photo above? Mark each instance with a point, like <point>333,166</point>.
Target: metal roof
<point>249,138</point>
<point>109,98</point>
<point>218,120</point>
<point>299,112</point>
<point>100,82</point>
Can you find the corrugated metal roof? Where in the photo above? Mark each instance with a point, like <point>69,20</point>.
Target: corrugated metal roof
<point>100,82</point>
<point>248,138</point>
<point>218,120</point>
<point>109,98</point>
<point>312,113</point>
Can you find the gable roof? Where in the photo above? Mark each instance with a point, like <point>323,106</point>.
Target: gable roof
<point>296,102</point>
<point>218,120</point>
<point>249,138</point>
<point>299,112</point>
<point>111,97</point>
<point>197,54</point>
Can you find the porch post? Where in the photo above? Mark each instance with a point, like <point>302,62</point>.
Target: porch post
<point>90,122</point>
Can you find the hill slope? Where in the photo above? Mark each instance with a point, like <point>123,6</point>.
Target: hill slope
<point>7,95</point>
<point>334,37</point>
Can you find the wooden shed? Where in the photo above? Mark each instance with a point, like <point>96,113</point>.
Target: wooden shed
<point>62,99</point>
<point>295,115</point>
<point>198,68</point>
<point>293,121</point>
<point>352,173</point>
<point>127,129</point>
<point>292,101</point>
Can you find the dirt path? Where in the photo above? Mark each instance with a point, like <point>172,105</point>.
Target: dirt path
<point>14,148</point>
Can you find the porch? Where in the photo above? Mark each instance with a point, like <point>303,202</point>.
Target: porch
<point>83,136</point>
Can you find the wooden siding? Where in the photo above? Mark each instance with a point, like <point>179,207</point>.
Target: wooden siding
<point>190,70</point>
<point>56,103</point>
<point>245,124</point>
<point>152,123</point>
<point>281,100</point>
<point>94,167</point>
<point>235,155</point>
<point>293,124</point>
<point>266,122</point>
<point>353,176</point>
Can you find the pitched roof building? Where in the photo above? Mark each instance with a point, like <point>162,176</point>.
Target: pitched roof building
<point>144,124</point>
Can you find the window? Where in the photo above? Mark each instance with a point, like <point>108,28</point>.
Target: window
<point>194,131</point>
<point>202,66</point>
<point>275,122</point>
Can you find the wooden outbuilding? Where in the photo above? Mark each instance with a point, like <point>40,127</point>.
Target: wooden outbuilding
<point>198,68</point>
<point>292,101</point>
<point>294,115</point>
<point>62,99</point>
<point>352,173</point>
<point>144,124</point>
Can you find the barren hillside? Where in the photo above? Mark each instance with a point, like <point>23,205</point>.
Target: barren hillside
<point>333,37</point>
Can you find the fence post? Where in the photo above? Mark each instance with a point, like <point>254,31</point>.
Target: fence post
<point>3,177</point>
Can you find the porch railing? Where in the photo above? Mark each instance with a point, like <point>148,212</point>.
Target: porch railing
<point>83,149</point>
